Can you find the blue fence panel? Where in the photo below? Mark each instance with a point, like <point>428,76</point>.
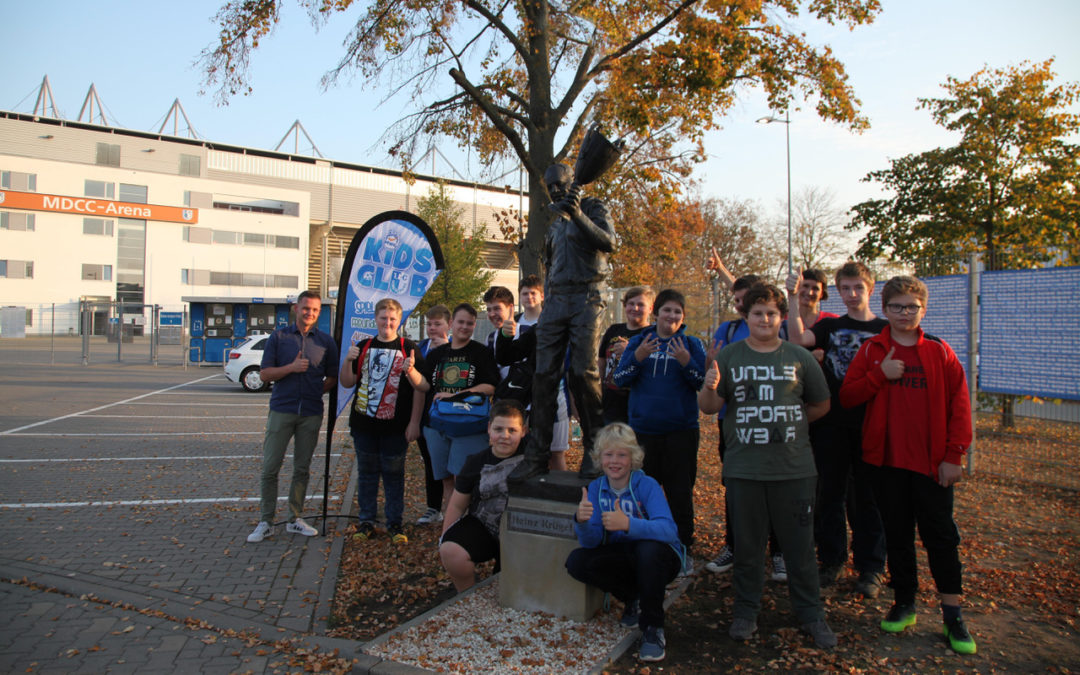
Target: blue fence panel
<point>947,313</point>
<point>1030,332</point>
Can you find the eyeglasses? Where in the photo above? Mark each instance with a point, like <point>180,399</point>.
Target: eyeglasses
<point>903,309</point>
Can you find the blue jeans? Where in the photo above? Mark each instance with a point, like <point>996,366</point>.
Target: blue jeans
<point>380,455</point>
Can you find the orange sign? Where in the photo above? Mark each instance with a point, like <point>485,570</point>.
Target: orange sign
<point>95,206</point>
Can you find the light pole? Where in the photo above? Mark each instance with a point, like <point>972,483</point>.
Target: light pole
<point>787,136</point>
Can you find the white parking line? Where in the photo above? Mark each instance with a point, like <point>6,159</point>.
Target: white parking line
<point>174,404</point>
<point>138,459</point>
<point>10,432</point>
<point>62,434</point>
<point>179,417</point>
<point>146,502</point>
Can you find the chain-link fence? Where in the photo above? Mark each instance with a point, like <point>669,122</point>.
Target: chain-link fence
<point>91,331</point>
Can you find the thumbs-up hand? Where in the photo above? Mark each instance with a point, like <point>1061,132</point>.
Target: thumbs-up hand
<point>409,363</point>
<point>584,507</point>
<point>509,327</point>
<point>712,376</point>
<point>792,281</point>
<point>300,364</point>
<point>893,368</point>
<point>617,520</point>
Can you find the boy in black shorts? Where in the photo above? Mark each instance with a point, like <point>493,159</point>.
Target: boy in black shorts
<point>471,528</point>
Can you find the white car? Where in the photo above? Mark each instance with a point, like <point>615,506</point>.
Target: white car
<point>243,363</point>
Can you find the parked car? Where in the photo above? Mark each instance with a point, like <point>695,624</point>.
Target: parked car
<point>243,363</point>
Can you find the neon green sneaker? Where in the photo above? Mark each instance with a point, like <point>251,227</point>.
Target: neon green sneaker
<point>898,618</point>
<point>959,638</point>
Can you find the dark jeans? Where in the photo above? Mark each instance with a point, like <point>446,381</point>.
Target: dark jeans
<point>785,506</point>
<point>380,455</point>
<point>629,570</point>
<point>433,488</point>
<point>671,459</point>
<point>837,453</point>
<point>908,499</point>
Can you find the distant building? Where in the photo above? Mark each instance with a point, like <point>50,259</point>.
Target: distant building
<point>91,212</point>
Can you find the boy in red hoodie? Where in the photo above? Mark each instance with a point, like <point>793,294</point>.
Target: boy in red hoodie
<point>914,436</point>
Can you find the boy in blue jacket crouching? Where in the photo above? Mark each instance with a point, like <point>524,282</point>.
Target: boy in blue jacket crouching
<point>630,545</point>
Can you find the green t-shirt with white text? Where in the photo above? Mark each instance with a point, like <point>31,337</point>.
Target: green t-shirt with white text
<point>765,428</point>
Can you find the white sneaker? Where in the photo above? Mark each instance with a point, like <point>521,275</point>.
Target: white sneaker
<point>261,531</point>
<point>779,569</point>
<point>430,516</point>
<point>298,526</point>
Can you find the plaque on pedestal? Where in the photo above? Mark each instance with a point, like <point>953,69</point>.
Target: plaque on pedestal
<point>536,536</point>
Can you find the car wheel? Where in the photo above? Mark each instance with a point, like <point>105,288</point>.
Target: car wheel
<point>252,381</point>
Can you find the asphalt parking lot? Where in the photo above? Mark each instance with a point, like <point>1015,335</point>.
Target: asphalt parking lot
<point>127,491</point>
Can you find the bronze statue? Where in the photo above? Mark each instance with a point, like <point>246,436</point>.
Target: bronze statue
<point>575,259</point>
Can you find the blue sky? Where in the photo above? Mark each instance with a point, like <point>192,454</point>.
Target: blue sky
<point>141,56</point>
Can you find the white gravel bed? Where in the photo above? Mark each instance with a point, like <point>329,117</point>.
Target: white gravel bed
<point>476,635</point>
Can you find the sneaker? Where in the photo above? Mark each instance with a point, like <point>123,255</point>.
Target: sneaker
<point>958,637</point>
<point>298,526</point>
<point>397,535</point>
<point>823,636</point>
<point>366,530</point>
<point>779,569</point>
<point>870,584</point>
<point>742,629</point>
<point>687,570</point>
<point>261,531</point>
<point>430,516</point>
<point>631,614</point>
<point>898,618</point>
<point>828,575</point>
<point>652,644</point>
<point>722,562</point>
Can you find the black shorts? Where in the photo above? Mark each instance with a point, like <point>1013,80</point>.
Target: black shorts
<point>471,534</point>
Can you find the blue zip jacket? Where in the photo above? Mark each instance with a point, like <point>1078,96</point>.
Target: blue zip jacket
<point>663,393</point>
<point>644,502</point>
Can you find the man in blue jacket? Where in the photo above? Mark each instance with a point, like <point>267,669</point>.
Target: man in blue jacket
<point>302,361</point>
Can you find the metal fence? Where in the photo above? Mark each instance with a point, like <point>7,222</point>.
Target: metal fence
<point>86,332</point>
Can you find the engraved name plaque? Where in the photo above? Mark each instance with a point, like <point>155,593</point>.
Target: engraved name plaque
<point>539,522</point>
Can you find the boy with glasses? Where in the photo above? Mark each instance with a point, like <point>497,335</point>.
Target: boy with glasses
<point>916,432</point>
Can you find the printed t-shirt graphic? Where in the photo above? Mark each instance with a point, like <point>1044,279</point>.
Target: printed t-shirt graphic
<point>380,383</point>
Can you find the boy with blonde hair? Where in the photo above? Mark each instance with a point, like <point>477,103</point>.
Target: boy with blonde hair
<point>914,437</point>
<point>630,545</point>
<point>383,370</point>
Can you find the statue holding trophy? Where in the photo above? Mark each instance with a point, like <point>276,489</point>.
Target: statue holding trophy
<point>575,259</point>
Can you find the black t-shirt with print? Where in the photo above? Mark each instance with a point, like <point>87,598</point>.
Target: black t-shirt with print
<point>453,370</point>
<point>382,402</point>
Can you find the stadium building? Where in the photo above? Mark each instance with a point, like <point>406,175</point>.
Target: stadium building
<point>130,220</point>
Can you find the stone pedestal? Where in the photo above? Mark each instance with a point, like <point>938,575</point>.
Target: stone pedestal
<point>536,536</point>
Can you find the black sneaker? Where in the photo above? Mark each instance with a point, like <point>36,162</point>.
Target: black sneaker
<point>631,614</point>
<point>899,618</point>
<point>366,530</point>
<point>870,584</point>
<point>958,637</point>
<point>397,535</point>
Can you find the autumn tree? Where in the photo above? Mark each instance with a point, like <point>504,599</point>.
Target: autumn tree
<point>525,79</point>
<point>818,236</point>
<point>1008,189</point>
<point>462,278</point>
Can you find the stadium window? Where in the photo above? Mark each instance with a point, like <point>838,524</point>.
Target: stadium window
<point>108,154</point>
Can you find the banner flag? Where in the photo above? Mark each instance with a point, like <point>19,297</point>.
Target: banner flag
<point>394,255</point>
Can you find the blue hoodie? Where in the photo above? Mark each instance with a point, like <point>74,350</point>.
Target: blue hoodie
<point>644,502</point>
<point>663,393</point>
